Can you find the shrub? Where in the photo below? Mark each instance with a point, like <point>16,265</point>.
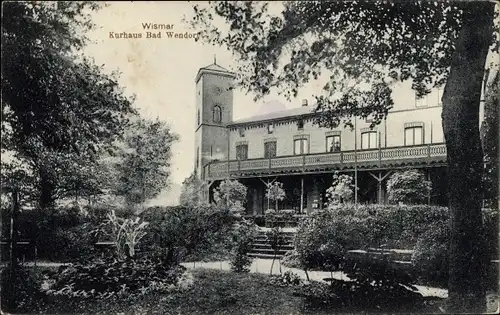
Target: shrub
<point>242,238</point>
<point>323,239</point>
<point>291,259</point>
<point>179,233</point>
<point>275,192</point>
<point>430,258</point>
<point>73,244</point>
<point>341,190</point>
<point>110,278</point>
<point>24,291</point>
<point>286,279</point>
<point>126,233</point>
<point>408,186</point>
<point>376,284</point>
<point>231,195</point>
<point>276,239</point>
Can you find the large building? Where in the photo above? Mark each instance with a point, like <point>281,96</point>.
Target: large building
<point>287,146</point>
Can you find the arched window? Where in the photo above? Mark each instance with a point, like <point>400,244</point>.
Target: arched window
<point>217,114</point>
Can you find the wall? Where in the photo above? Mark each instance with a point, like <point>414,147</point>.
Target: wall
<point>391,132</point>
<point>213,88</point>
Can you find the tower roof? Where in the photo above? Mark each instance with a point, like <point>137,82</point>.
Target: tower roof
<point>214,68</point>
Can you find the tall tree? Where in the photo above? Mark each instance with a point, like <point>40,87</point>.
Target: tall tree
<point>54,99</point>
<point>193,192</point>
<point>144,167</point>
<point>360,48</point>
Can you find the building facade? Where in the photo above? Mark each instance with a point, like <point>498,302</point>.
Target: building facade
<point>286,146</point>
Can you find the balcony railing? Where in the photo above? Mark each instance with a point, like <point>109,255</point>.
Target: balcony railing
<point>375,158</point>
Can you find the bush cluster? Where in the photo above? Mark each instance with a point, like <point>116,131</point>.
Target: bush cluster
<point>325,237</point>
<point>186,233</point>
<point>110,278</point>
<point>286,279</point>
<point>24,293</point>
<point>64,234</point>
<point>242,238</point>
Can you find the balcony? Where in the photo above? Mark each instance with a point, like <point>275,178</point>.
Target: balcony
<point>383,158</point>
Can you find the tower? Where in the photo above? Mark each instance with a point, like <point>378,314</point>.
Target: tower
<point>214,110</point>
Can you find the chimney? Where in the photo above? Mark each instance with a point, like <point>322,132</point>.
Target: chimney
<point>304,102</point>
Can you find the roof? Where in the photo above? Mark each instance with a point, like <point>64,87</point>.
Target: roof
<point>303,110</point>
<point>213,67</point>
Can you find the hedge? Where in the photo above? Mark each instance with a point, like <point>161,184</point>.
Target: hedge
<point>389,226</point>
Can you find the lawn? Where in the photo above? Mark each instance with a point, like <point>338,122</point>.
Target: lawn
<point>214,292</point>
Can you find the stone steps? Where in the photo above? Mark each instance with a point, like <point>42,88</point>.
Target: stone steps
<point>262,249</point>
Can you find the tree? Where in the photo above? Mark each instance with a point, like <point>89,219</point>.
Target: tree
<point>341,191</point>
<point>192,191</point>
<point>231,195</point>
<point>360,48</point>
<point>408,186</point>
<point>490,130</point>
<point>275,192</point>
<point>55,100</point>
<point>144,167</point>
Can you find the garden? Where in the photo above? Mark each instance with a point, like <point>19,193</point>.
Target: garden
<point>144,268</point>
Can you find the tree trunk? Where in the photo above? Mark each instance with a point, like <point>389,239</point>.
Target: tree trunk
<point>11,287</point>
<point>47,188</point>
<point>461,101</point>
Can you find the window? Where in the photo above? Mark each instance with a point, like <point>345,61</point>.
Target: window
<point>242,152</point>
<point>300,146</point>
<point>369,140</point>
<point>198,117</point>
<point>269,149</point>
<point>414,135</point>
<point>333,143</point>
<point>300,124</point>
<point>421,102</point>
<point>270,128</point>
<point>217,114</point>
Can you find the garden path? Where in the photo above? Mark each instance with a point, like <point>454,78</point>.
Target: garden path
<point>264,266</point>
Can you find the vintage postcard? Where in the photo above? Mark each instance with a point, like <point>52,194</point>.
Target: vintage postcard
<point>250,157</point>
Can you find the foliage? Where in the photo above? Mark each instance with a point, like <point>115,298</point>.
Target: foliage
<point>291,259</point>
<point>276,239</point>
<point>242,238</point>
<point>58,106</point>
<point>490,130</point>
<point>275,192</point>
<point>179,233</point>
<point>378,284</point>
<point>72,244</point>
<point>126,234</point>
<point>192,191</point>
<point>341,190</point>
<point>287,51</point>
<point>108,279</point>
<point>286,279</point>
<point>64,234</point>
<point>143,169</point>
<point>25,290</point>
<point>270,212</point>
<point>231,195</point>
<point>430,258</point>
<point>409,186</point>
